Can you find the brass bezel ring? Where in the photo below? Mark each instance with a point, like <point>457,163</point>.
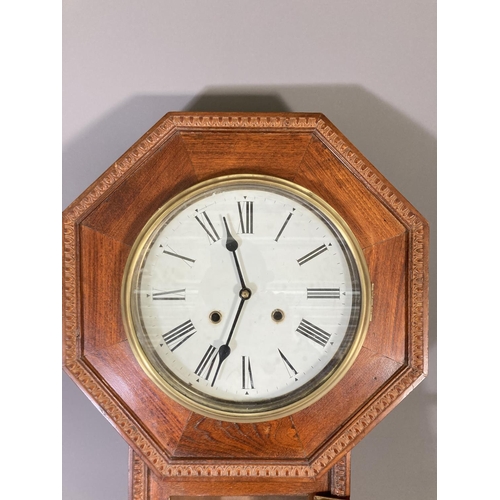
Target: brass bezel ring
<point>221,411</point>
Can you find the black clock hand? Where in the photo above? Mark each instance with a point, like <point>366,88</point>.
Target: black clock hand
<point>225,350</point>
<point>232,246</point>
<point>245,294</point>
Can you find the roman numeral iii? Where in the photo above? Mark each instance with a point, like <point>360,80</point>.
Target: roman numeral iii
<point>245,210</point>
<point>323,293</point>
<point>313,332</point>
<point>178,335</point>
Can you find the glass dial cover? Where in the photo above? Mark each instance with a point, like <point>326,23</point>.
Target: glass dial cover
<point>246,298</point>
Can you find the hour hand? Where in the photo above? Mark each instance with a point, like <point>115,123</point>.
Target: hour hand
<point>231,243</point>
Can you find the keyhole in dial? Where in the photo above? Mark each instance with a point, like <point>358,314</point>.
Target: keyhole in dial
<point>215,316</point>
<point>278,315</point>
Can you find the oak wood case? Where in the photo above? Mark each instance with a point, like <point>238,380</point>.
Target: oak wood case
<point>177,450</point>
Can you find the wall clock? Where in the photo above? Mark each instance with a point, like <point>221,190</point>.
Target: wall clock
<point>245,297</point>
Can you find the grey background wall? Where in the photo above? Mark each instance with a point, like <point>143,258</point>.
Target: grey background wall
<point>370,67</point>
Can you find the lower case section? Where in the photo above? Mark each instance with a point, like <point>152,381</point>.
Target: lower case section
<point>144,485</point>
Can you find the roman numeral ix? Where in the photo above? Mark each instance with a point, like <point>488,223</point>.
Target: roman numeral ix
<point>178,335</point>
<point>314,333</point>
<point>311,255</point>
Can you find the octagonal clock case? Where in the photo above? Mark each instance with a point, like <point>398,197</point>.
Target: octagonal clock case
<point>245,297</point>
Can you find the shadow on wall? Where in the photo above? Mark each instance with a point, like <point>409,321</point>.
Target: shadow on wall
<point>103,142</point>
<point>402,150</point>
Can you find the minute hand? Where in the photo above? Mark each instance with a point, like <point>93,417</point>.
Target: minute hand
<point>225,350</point>
<point>232,246</point>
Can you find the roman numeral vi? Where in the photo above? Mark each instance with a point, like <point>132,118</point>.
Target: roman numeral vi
<point>246,373</point>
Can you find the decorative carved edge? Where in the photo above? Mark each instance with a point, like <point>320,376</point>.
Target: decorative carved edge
<point>137,476</point>
<point>142,148</point>
<point>381,403</point>
<point>248,121</point>
<point>78,210</point>
<point>352,159</point>
<point>410,218</point>
<point>71,333</point>
<point>106,402</point>
<point>340,477</point>
<point>418,291</point>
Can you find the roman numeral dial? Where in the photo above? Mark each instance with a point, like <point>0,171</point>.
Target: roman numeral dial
<point>245,296</point>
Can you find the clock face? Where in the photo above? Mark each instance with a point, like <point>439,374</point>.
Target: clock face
<point>246,298</point>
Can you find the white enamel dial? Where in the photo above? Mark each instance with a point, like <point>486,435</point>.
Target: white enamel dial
<point>245,297</point>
